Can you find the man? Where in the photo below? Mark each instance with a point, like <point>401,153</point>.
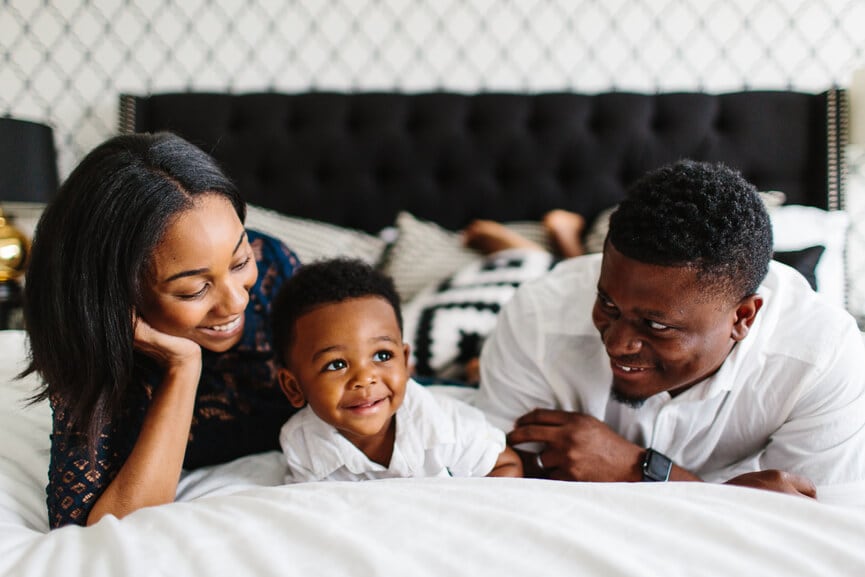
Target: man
<point>681,353</point>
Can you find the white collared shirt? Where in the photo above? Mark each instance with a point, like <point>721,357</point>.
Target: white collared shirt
<point>790,396</point>
<point>436,435</point>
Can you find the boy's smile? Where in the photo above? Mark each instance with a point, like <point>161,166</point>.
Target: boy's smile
<point>350,364</point>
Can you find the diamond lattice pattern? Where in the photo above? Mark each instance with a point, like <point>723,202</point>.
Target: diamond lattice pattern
<point>65,62</point>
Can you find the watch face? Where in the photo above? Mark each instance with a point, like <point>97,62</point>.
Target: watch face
<point>656,467</point>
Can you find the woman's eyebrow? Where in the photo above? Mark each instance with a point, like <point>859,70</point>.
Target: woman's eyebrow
<point>198,271</point>
<point>239,241</point>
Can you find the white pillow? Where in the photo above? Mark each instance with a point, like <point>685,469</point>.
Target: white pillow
<point>314,240</point>
<point>796,227</point>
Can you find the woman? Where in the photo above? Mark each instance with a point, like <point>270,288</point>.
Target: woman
<point>147,305</point>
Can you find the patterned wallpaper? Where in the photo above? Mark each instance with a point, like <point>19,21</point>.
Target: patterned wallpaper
<point>64,62</point>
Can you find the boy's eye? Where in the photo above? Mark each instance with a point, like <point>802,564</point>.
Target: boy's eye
<point>382,356</point>
<point>336,365</point>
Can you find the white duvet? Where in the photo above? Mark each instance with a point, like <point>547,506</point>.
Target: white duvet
<point>230,521</point>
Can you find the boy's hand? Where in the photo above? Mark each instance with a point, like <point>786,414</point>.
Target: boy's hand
<point>507,465</point>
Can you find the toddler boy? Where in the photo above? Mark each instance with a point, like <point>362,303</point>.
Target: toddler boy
<point>337,329</point>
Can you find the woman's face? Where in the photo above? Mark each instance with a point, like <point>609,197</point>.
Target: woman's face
<point>201,273</point>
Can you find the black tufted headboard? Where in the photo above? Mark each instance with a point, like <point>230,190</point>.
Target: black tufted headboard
<point>356,159</point>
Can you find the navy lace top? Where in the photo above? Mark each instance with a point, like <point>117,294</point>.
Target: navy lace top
<point>239,405</point>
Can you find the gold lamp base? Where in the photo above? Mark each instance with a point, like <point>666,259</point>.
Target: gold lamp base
<point>14,248</point>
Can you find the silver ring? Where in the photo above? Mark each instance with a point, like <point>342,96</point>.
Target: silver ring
<point>538,462</point>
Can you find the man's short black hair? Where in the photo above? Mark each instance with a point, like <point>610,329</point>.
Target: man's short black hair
<point>325,282</point>
<point>697,214</point>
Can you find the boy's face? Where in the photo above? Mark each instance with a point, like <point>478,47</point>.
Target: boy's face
<point>350,364</point>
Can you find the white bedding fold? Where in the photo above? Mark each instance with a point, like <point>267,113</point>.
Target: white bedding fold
<point>230,521</point>
<point>458,527</point>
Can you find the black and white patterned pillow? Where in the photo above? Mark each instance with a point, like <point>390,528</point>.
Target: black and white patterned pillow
<point>446,324</point>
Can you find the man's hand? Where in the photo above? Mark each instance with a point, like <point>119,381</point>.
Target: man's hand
<point>775,480</point>
<point>578,447</point>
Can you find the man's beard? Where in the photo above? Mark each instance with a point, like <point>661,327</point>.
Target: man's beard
<point>627,400</point>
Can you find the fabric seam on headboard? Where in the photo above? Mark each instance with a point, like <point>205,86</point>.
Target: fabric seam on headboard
<point>837,125</point>
<point>836,134</point>
<point>126,114</point>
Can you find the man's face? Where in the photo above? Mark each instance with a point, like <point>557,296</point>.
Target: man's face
<point>663,329</point>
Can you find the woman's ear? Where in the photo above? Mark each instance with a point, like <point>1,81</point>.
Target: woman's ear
<point>746,313</point>
<point>290,388</point>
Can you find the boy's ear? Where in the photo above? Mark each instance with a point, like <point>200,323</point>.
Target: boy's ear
<point>290,387</point>
<point>406,350</point>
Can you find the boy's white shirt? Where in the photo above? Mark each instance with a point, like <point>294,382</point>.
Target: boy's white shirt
<point>436,435</point>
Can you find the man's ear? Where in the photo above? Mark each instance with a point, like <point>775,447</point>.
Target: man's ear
<point>746,313</point>
<point>290,387</point>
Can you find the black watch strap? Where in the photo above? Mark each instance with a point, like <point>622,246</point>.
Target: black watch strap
<point>656,466</point>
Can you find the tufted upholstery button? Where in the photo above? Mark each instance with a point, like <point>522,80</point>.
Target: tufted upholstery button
<point>292,122</point>
<point>659,123</point>
<point>235,121</point>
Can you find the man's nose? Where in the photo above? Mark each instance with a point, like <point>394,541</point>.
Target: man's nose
<point>621,339</point>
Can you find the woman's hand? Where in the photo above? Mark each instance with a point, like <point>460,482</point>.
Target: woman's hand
<point>168,350</point>
<point>150,474</point>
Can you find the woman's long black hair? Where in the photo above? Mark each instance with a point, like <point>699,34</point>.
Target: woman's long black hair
<point>91,251</point>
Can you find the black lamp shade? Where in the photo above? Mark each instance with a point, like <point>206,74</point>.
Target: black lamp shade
<point>28,161</point>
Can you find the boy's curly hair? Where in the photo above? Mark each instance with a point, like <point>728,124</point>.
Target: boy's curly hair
<point>700,215</point>
<point>325,282</point>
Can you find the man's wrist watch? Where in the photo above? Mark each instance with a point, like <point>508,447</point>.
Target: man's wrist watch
<point>656,466</point>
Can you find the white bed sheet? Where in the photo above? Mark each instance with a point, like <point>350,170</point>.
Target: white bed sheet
<point>229,520</point>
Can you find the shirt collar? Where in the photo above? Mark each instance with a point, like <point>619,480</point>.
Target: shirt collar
<point>416,432</point>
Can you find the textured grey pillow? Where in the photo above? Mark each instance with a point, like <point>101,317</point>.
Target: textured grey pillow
<point>425,253</point>
<point>314,240</point>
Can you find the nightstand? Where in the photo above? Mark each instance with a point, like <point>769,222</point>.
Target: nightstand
<point>11,314</point>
